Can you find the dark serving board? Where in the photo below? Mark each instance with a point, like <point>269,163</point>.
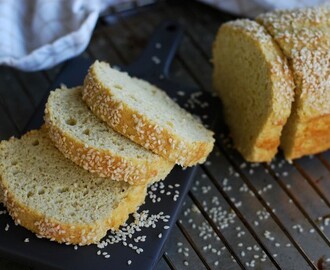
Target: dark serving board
<point>153,65</point>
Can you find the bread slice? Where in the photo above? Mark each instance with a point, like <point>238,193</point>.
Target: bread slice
<point>304,37</point>
<point>146,115</point>
<point>91,144</point>
<point>56,199</point>
<point>255,85</point>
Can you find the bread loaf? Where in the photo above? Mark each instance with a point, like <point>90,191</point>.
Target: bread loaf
<point>304,37</point>
<point>51,196</point>
<point>91,144</point>
<point>252,78</point>
<point>146,115</point>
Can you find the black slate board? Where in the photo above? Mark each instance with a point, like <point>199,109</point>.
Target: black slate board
<point>153,65</point>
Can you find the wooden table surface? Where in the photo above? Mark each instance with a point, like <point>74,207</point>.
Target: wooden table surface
<point>237,215</point>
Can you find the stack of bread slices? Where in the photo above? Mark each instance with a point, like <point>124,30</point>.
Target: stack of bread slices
<point>89,166</point>
<point>273,77</point>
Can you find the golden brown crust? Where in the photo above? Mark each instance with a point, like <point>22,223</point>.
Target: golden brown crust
<point>303,35</point>
<point>307,138</point>
<point>106,163</point>
<point>55,230</point>
<point>139,129</point>
<point>77,234</point>
<point>263,143</point>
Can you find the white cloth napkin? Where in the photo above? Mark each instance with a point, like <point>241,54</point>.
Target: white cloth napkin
<point>38,34</point>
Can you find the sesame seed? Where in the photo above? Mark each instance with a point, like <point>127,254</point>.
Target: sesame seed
<point>156,60</point>
<point>129,262</point>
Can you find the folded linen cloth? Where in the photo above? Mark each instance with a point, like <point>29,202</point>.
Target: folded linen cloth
<point>38,34</point>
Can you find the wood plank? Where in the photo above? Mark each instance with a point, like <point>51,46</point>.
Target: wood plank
<point>317,174</point>
<point>233,226</point>
<point>302,191</point>
<point>180,252</point>
<point>284,223</point>
<point>205,238</point>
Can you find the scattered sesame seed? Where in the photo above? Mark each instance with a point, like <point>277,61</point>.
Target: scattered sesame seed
<point>156,60</point>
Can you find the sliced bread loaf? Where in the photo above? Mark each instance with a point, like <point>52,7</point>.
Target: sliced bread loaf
<point>146,115</point>
<point>56,199</point>
<point>304,37</point>
<point>91,144</point>
<point>255,85</point>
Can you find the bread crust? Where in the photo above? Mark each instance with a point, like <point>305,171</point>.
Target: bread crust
<point>264,145</point>
<point>303,36</point>
<point>306,138</point>
<point>106,163</point>
<point>55,230</point>
<point>76,234</point>
<point>139,128</point>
